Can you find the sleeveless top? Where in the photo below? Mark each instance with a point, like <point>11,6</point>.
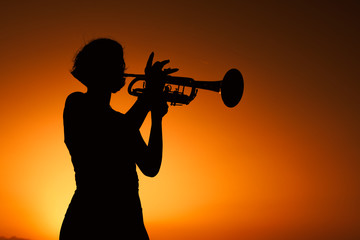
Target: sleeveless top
<point>103,146</point>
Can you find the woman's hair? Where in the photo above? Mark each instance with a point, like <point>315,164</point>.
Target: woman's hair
<point>96,58</point>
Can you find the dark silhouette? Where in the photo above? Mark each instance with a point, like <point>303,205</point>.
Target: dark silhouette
<point>105,145</point>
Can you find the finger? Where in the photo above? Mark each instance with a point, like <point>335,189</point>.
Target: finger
<point>149,62</point>
<point>161,64</point>
<point>165,108</point>
<point>165,62</point>
<point>170,70</point>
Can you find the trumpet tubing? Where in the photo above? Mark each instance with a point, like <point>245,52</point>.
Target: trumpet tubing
<point>231,88</point>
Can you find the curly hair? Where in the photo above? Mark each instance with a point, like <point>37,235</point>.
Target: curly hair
<point>96,58</point>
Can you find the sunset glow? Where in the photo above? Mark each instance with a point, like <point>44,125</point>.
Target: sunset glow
<point>283,164</point>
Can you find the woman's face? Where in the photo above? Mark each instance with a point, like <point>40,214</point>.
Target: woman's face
<point>115,77</point>
<point>112,74</point>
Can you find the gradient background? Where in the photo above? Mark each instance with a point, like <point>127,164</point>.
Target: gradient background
<point>283,164</point>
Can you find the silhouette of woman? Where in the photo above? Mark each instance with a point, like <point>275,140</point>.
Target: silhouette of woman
<point>105,145</point>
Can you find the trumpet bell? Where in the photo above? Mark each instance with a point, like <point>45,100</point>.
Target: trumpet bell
<point>232,88</point>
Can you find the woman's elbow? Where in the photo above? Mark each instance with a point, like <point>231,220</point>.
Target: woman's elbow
<point>151,172</point>
<point>153,165</point>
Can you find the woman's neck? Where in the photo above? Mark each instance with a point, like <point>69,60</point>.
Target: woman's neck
<point>100,98</point>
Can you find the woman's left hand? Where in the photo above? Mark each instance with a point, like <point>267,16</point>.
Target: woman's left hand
<point>155,75</point>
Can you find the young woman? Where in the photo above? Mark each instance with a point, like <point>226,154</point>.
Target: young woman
<point>106,145</point>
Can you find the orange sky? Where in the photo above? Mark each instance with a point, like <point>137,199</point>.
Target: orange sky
<point>283,164</point>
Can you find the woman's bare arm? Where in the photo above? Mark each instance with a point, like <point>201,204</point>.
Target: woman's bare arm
<point>150,162</point>
<point>138,112</point>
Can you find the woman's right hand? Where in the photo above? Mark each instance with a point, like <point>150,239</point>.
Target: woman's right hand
<point>155,82</point>
<point>160,109</point>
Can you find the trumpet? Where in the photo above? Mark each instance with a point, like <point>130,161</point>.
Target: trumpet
<point>231,88</point>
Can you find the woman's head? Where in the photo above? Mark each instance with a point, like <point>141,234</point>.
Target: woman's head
<point>100,64</point>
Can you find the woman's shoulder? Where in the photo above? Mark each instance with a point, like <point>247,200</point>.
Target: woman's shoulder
<point>74,100</point>
<point>75,97</point>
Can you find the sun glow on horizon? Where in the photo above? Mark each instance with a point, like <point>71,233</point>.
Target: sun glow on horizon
<point>283,164</point>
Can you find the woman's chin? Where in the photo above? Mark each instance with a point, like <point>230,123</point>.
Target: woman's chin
<point>115,89</point>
